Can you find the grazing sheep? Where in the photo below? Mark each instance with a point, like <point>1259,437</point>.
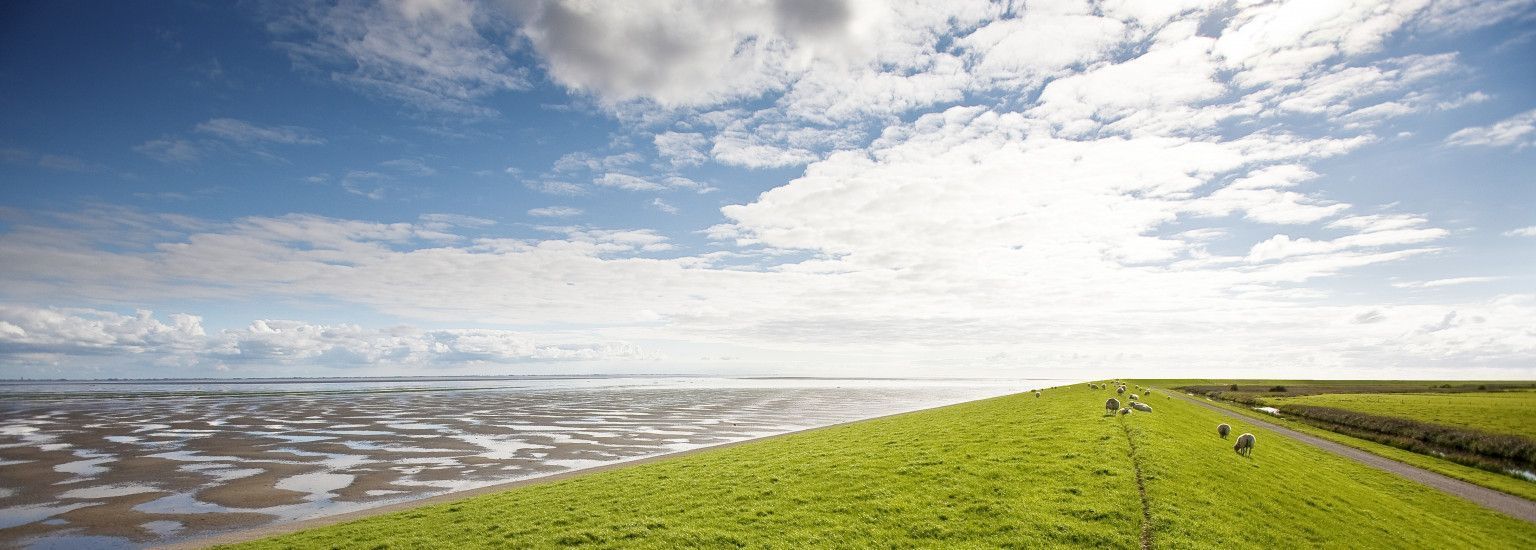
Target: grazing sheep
<point>1120,390</point>
<point>1133,397</point>
<point>1126,410</point>
<point>1148,392</point>
<point>1143,407</point>
<point>1244,445</point>
<point>1037,393</point>
<point>1222,430</point>
<point>1112,405</point>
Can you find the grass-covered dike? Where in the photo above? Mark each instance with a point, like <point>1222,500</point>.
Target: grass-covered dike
<point>1015,471</point>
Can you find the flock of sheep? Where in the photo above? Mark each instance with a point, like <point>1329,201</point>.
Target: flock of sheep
<point>1243,446</point>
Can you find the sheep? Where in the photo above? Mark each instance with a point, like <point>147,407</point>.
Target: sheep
<point>1112,405</point>
<point>1147,392</point>
<point>1134,398</point>
<point>1120,390</point>
<point>1244,445</point>
<point>1222,430</point>
<point>1143,407</point>
<point>1037,393</point>
<point>1126,410</point>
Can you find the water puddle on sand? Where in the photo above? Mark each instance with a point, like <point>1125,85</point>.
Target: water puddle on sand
<point>295,438</point>
<point>496,448</point>
<point>162,527</point>
<point>318,484</point>
<point>374,446</point>
<point>90,467</point>
<point>192,456</point>
<point>108,491</point>
<point>181,503</point>
<point>19,430</point>
<point>77,542</point>
<point>416,426</point>
<point>22,515</point>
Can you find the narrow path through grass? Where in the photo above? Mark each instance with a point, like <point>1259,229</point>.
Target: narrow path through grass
<point>1141,487</point>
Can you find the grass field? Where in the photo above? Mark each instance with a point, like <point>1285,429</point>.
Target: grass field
<point>1496,481</point>
<point>1016,471</point>
<point>1441,426</point>
<point>1509,412</point>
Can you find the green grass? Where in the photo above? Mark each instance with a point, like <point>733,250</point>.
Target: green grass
<point>1491,480</point>
<point>1508,412</point>
<point>1351,386</point>
<point>1009,472</point>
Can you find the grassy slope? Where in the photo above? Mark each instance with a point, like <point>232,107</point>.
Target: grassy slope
<point>1467,473</point>
<point>1491,480</point>
<point>1008,472</point>
<point>1496,412</point>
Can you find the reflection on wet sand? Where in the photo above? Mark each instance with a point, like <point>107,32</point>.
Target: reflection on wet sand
<point>127,472</point>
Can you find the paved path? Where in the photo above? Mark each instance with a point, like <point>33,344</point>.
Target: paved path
<point>1502,502</point>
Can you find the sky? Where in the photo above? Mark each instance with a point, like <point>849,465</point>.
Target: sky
<point>1057,188</point>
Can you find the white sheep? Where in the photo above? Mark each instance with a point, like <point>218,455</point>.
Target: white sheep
<point>1112,405</point>
<point>1120,390</point>
<point>1126,410</point>
<point>1037,393</point>
<point>1222,430</point>
<point>1244,445</point>
<point>1133,397</point>
<point>1143,407</point>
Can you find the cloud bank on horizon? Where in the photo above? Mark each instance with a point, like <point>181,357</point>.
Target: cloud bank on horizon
<point>1057,188</point>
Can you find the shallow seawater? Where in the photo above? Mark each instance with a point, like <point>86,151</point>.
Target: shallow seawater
<point>105,467</point>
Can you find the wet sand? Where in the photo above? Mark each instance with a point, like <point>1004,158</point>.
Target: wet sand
<point>137,472</point>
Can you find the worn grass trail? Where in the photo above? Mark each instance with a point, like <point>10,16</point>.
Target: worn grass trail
<point>1141,486</point>
<point>1013,472</point>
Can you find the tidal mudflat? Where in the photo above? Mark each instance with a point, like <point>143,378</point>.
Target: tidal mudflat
<point>136,466</point>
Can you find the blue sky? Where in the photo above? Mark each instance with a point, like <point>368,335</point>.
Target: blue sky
<point>1201,188</point>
